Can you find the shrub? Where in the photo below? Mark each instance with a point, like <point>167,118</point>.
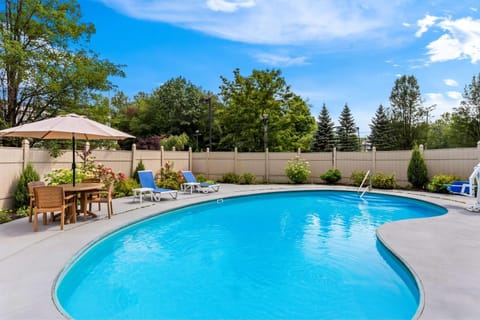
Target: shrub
<point>439,181</point>
<point>140,167</point>
<point>357,177</point>
<point>168,178</point>
<point>201,178</point>
<point>298,170</point>
<point>5,216</point>
<point>417,170</point>
<point>21,194</point>
<point>65,176</point>
<point>23,211</point>
<point>124,187</point>
<point>384,181</point>
<point>331,176</point>
<point>230,177</point>
<point>247,178</point>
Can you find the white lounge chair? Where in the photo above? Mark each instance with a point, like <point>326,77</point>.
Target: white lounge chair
<point>147,181</point>
<point>192,184</point>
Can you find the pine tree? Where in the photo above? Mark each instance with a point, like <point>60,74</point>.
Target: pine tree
<point>380,130</point>
<point>323,139</point>
<point>346,132</point>
<point>417,169</point>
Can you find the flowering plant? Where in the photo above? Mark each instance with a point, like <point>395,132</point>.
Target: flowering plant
<point>298,170</point>
<point>107,175</point>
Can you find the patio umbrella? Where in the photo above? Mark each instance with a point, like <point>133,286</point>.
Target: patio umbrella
<point>70,126</point>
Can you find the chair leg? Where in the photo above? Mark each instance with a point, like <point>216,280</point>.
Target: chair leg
<point>35,221</point>
<point>62,219</point>
<point>44,219</point>
<point>31,211</point>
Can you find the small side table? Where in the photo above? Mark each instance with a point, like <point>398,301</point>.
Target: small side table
<point>140,192</point>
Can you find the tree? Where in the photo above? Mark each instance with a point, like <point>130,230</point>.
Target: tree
<point>324,136</point>
<point>417,169</point>
<point>380,130</point>
<point>44,66</point>
<point>405,100</point>
<point>346,132</point>
<point>247,99</point>
<point>466,118</point>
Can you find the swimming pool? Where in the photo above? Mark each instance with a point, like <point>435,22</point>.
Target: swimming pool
<point>309,255</point>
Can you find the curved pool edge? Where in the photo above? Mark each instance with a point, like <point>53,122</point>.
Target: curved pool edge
<point>457,297</point>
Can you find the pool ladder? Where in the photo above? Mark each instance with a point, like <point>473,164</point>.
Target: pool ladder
<point>366,188</point>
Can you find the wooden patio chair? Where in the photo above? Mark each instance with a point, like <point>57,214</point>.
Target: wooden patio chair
<point>52,199</point>
<point>102,196</point>
<point>93,194</point>
<point>31,185</point>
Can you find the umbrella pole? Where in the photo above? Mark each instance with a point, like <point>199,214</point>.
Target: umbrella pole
<point>73,162</point>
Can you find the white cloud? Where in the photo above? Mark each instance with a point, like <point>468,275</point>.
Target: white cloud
<point>443,102</point>
<point>280,60</point>
<point>460,39</point>
<point>271,22</point>
<point>229,6</point>
<point>451,82</point>
<point>425,24</point>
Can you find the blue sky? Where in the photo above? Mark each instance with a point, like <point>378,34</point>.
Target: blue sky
<point>329,51</point>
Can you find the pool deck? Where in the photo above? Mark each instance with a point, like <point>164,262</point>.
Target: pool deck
<point>443,252</point>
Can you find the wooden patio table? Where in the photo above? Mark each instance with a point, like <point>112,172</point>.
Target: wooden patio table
<point>83,189</point>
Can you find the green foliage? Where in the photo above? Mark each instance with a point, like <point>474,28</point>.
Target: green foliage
<point>347,131</point>
<point>417,170</point>
<point>65,176</point>
<point>230,177</point>
<point>125,187</point>
<point>168,178</point>
<point>406,112</point>
<point>201,178</point>
<point>178,142</point>
<point>21,194</point>
<point>140,167</point>
<point>50,68</point>
<point>298,170</point>
<point>5,216</point>
<point>380,135</point>
<point>357,177</point>
<point>440,181</point>
<point>332,176</point>
<point>384,181</point>
<point>247,178</point>
<point>324,137</point>
<point>247,98</point>
<point>23,211</point>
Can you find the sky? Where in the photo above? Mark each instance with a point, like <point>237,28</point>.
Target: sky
<point>330,52</point>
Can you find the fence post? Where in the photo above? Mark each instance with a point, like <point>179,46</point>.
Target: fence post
<point>133,165</point>
<point>421,149</point>
<point>208,163</point>
<point>26,151</point>
<point>267,166</point>
<point>334,157</point>
<point>162,156</point>
<point>478,150</point>
<point>374,161</point>
<point>235,159</point>
<point>190,159</point>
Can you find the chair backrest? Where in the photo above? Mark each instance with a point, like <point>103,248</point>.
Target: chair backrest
<point>146,179</point>
<point>33,184</point>
<point>51,197</point>
<point>189,177</point>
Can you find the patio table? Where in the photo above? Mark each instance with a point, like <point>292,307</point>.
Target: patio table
<point>83,189</point>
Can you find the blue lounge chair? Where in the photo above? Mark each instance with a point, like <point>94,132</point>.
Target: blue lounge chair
<point>192,184</point>
<point>459,187</point>
<point>147,181</point>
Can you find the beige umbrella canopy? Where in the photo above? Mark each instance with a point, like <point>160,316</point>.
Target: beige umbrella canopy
<point>70,126</point>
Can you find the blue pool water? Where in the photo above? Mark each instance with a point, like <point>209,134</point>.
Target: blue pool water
<point>295,255</point>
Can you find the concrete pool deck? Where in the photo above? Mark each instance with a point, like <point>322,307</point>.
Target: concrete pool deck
<point>442,252</point>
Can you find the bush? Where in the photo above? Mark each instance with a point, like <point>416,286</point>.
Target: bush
<point>65,176</point>
<point>21,194</point>
<point>5,216</point>
<point>298,170</point>
<point>417,170</point>
<point>201,178</point>
<point>357,177</point>
<point>230,177</point>
<point>140,167</point>
<point>247,178</point>
<point>331,176</point>
<point>124,187</point>
<point>439,181</point>
<point>383,181</point>
<point>168,178</point>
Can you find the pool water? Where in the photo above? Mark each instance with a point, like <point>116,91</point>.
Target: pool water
<point>295,255</point>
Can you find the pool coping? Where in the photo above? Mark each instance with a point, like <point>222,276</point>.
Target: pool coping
<point>447,245</point>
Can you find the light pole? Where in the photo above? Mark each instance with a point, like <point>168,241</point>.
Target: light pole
<point>265,131</point>
<point>196,134</point>
<point>359,141</point>
<point>210,116</point>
